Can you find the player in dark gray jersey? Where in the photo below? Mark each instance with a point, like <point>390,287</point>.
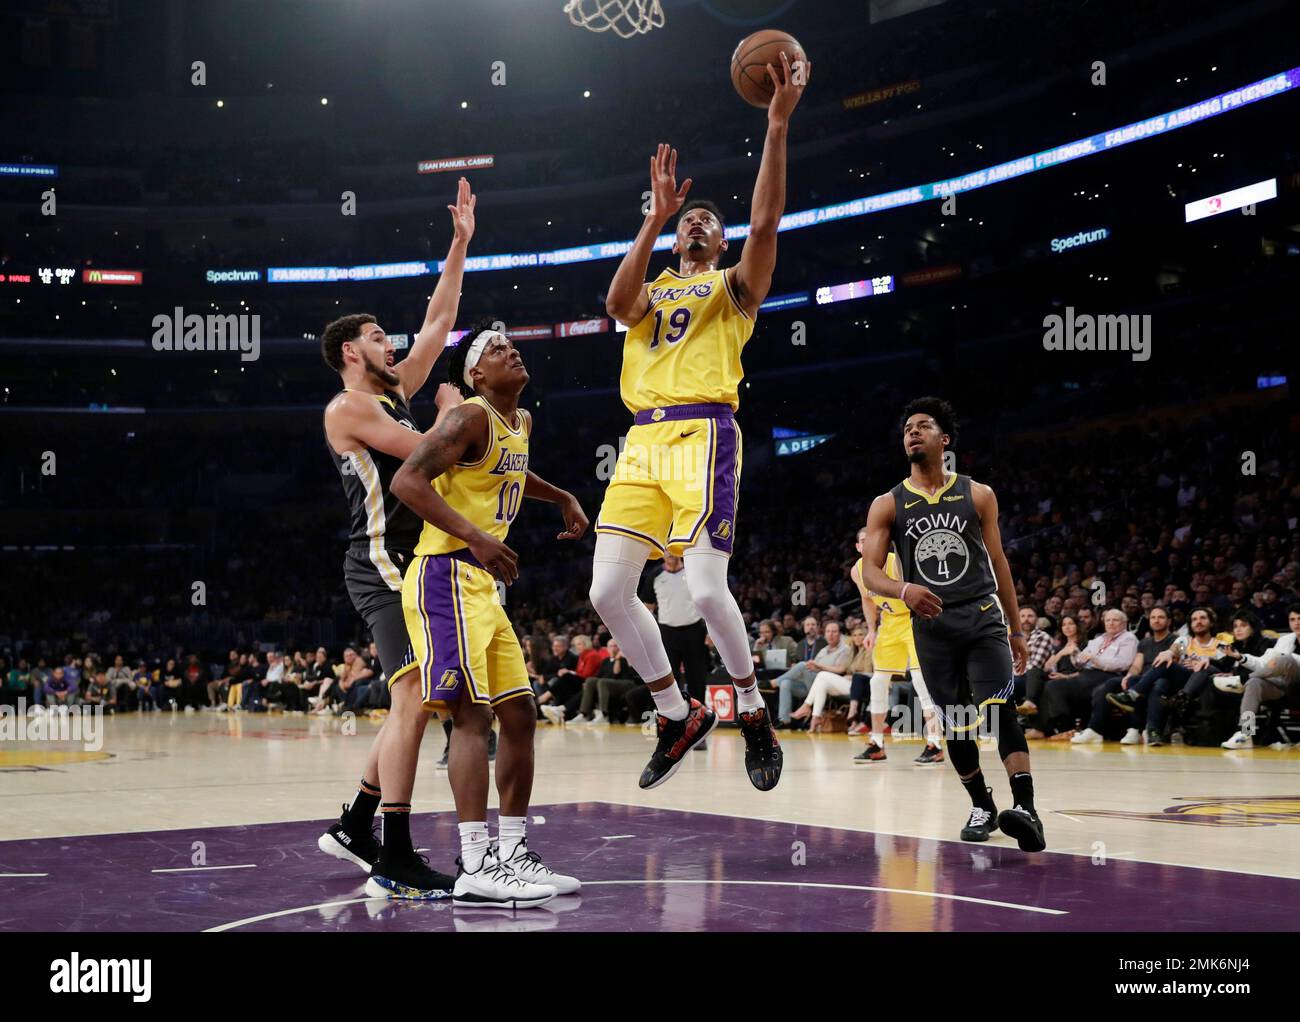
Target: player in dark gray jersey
<point>370,432</point>
<point>956,582</point>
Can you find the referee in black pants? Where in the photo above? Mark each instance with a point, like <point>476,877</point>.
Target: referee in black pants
<point>682,627</point>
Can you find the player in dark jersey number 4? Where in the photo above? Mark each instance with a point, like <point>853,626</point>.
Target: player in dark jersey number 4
<point>957,584</point>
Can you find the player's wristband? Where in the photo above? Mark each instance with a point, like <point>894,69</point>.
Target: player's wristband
<point>902,593</point>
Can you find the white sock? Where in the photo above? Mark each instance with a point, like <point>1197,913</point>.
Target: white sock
<point>671,703</point>
<point>747,699</point>
<point>510,833</point>
<point>473,845</point>
<point>878,739</point>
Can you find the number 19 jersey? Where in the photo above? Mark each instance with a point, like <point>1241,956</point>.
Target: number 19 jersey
<point>489,491</point>
<point>686,349</point>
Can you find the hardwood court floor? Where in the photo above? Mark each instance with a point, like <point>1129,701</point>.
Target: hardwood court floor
<point>835,846</point>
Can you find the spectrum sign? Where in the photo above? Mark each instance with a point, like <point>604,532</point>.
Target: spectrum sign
<point>1260,191</point>
<point>233,276</point>
<point>1080,239</point>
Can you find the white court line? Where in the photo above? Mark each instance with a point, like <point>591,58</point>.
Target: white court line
<point>841,887</point>
<point>611,883</point>
<point>24,874</point>
<point>197,869</point>
<point>617,837</point>
<point>285,912</point>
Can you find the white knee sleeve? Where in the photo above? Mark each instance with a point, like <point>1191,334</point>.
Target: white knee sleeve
<point>706,578</point>
<point>616,572</point>
<point>879,692</point>
<point>922,693</point>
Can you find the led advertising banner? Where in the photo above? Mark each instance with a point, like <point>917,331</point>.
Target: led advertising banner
<point>1224,202</point>
<point>112,277</point>
<point>455,163</point>
<point>854,289</point>
<point>1214,106</point>
<point>28,170</point>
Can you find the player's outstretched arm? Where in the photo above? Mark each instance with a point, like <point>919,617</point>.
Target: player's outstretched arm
<point>986,504</point>
<point>575,520</point>
<point>870,612</point>
<point>628,299</point>
<point>457,438</point>
<point>444,303</point>
<point>752,277</point>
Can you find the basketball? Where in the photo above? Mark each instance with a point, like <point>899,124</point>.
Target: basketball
<point>749,63</point>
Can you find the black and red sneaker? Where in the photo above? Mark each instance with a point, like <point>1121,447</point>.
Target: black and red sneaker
<point>763,755</point>
<point>676,739</point>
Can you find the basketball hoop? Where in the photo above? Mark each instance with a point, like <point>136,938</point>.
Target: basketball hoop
<point>626,17</point>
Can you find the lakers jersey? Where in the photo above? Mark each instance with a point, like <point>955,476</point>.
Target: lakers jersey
<point>489,491</point>
<point>894,613</point>
<point>686,349</point>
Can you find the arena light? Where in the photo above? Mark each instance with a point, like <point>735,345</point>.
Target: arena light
<point>1093,145</point>
<point>1224,202</point>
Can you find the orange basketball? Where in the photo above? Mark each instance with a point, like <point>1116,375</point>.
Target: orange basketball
<point>749,63</point>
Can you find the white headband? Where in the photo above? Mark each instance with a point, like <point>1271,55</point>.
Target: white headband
<point>476,351</point>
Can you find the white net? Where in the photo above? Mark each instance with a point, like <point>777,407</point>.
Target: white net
<point>625,17</point>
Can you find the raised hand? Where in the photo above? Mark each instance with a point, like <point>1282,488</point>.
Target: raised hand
<point>462,213</point>
<point>666,197</point>
<point>787,88</point>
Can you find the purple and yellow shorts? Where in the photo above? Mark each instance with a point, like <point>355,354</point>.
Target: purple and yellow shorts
<point>677,478</point>
<point>460,635</point>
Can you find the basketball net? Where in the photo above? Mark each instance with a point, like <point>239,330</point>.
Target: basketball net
<point>626,17</point>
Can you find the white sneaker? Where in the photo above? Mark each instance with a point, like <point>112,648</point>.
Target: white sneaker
<point>496,885</point>
<point>1229,683</point>
<point>581,719</point>
<point>597,718</point>
<point>553,713</point>
<point>1086,737</point>
<point>528,866</point>
<point>1131,737</point>
<point>1239,741</point>
<point>188,709</point>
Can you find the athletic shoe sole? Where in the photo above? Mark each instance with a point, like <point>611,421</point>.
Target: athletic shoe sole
<point>1014,825</point>
<point>400,892</point>
<point>478,901</point>
<point>330,845</point>
<point>704,733</point>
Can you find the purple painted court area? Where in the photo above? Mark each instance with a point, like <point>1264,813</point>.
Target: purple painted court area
<point>643,869</point>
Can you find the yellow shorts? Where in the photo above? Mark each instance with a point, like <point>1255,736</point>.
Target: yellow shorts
<point>460,636</point>
<point>895,650</point>
<point>677,477</point>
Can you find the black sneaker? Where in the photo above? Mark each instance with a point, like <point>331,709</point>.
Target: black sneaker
<point>763,754</point>
<point>981,824</point>
<point>1025,826</point>
<point>361,849</point>
<point>1154,738</point>
<point>676,739</point>
<point>492,746</point>
<point>408,880</point>
<point>1125,701</point>
<point>932,754</point>
<point>873,753</point>
<point>442,763</point>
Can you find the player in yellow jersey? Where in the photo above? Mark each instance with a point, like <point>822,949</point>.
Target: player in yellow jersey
<point>677,481</point>
<point>467,480</point>
<point>893,651</point>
